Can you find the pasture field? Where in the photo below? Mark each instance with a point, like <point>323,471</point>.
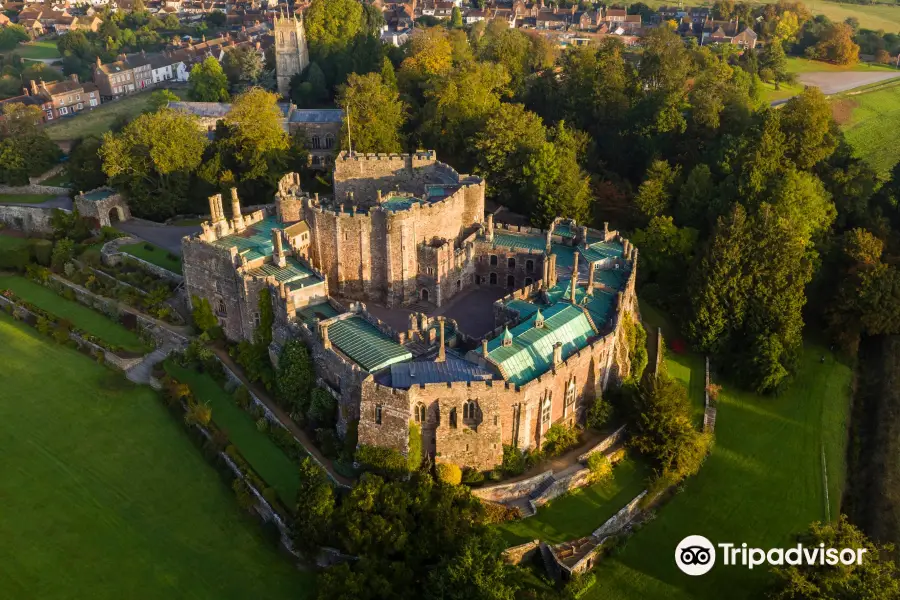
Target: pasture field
<point>106,497</point>
<point>41,49</point>
<point>871,124</point>
<point>100,119</point>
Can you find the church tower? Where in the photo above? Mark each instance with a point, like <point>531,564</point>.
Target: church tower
<point>291,53</point>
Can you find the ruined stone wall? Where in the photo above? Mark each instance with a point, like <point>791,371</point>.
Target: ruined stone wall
<point>29,219</point>
<point>527,269</point>
<point>210,272</point>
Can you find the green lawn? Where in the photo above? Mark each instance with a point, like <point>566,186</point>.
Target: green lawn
<point>157,256</point>
<point>874,126</point>
<point>100,119</point>
<point>26,198</point>
<point>9,242</point>
<point>582,511</point>
<point>81,316</point>
<point>795,64</point>
<point>105,497</point>
<point>761,484</point>
<point>61,179</point>
<point>187,222</point>
<point>267,459</point>
<point>39,49</point>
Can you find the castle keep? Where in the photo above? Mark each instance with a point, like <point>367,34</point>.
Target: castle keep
<point>364,278</point>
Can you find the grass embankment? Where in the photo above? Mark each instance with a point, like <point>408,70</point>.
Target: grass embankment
<point>580,512</point>
<point>100,119</point>
<point>105,497</point>
<point>26,198</point>
<point>81,316</point>
<point>796,64</point>
<point>762,483</point>
<point>154,255</point>
<point>267,459</point>
<point>871,124</point>
<point>873,495</point>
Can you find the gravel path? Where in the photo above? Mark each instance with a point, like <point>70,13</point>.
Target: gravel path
<point>834,83</point>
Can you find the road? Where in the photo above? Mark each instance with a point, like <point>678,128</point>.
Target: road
<point>164,236</point>
<point>835,83</point>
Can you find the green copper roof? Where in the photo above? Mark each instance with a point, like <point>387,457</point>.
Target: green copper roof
<point>293,273</point>
<point>517,240</point>
<point>531,351</point>
<point>316,312</point>
<point>563,231</point>
<point>397,203</point>
<point>254,242</point>
<point>365,344</point>
<point>600,250</point>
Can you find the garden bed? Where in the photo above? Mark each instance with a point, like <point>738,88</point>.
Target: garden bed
<point>154,255</point>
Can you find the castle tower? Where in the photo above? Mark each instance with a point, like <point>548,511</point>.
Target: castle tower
<point>291,53</point>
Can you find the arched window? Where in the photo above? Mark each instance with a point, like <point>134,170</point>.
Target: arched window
<point>425,295</point>
<point>511,263</point>
<point>529,265</point>
<point>420,413</point>
<point>453,418</point>
<point>470,410</point>
<point>493,260</point>
<point>458,285</point>
<point>493,279</point>
<point>510,281</point>
<point>220,308</point>
<point>546,413</point>
<point>316,142</point>
<point>570,393</point>
<point>329,141</point>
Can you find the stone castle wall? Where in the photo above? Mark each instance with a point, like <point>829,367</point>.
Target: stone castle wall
<point>210,272</point>
<point>30,219</point>
<point>364,174</point>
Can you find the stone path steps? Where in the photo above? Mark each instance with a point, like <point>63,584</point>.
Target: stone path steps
<point>140,373</point>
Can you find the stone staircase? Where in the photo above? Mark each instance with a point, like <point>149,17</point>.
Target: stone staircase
<point>549,562</point>
<point>140,373</point>
<point>542,488</point>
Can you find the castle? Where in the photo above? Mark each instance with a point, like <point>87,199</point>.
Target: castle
<point>369,278</point>
<point>291,53</point>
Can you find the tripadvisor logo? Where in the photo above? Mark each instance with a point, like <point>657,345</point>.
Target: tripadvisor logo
<point>696,555</point>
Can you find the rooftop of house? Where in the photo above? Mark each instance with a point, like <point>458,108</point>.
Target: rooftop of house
<point>529,351</point>
<point>322,115</point>
<point>365,345</point>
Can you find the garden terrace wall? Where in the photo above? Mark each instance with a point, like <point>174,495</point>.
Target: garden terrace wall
<point>506,492</point>
<point>516,555</point>
<point>604,444</point>
<point>563,485</point>
<point>112,256</point>
<point>30,219</point>
<point>34,188</point>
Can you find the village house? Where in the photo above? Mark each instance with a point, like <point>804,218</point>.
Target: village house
<point>64,98</point>
<point>115,79</point>
<point>728,32</point>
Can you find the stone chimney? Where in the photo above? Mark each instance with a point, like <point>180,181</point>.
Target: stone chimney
<point>326,342</point>
<point>552,271</point>
<point>34,88</point>
<point>490,228</point>
<point>99,62</point>
<point>74,77</point>
<point>605,230</point>
<point>574,283</point>
<point>548,247</point>
<point>484,348</point>
<point>236,216</point>
<point>590,287</point>
<point>557,354</point>
<point>278,257</point>
<point>216,213</point>
<point>442,352</point>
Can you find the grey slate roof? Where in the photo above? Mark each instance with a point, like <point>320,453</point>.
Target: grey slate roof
<point>405,375</point>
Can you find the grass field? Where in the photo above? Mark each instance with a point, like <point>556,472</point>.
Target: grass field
<point>762,483</point>
<point>39,49</point>
<point>157,256</point>
<point>875,17</point>
<point>105,497</point>
<point>60,179</point>
<point>101,119</point>
<point>81,316</point>
<point>871,124</point>
<point>579,513</point>
<point>26,198</point>
<point>267,459</point>
<point>795,64</point>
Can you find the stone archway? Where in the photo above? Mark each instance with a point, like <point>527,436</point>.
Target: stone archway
<point>116,215</point>
<point>104,205</point>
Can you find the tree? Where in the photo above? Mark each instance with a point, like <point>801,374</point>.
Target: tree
<point>216,18</point>
<point>456,18</point>
<point>161,98</point>
<point>883,57</point>
<point>557,186</point>
<point>11,35</point>
<point>655,193</point>
<point>808,127</point>
<point>312,524</point>
<point>448,473</point>
<point>696,205</point>
<point>836,45</point>
<point>202,314</point>
<point>85,166</point>
<point>309,89</point>
<point>242,65</point>
<point>295,377</point>
<point>152,160</point>
<point>331,25</point>
<point>775,60</point>
<point>256,141</point>
<point>207,82</point>
<point>388,76</point>
<point>374,114</point>
<point>666,253</point>
<point>876,577</point>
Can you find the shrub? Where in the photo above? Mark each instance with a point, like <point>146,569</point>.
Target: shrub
<point>198,413</point>
<point>43,251</point>
<point>43,326</point>
<point>559,438</point>
<point>15,259</point>
<point>381,461</point>
<point>322,409</point>
<point>242,397</point>
<point>245,497</point>
<point>500,513</point>
<point>472,476</point>
<point>514,462</point>
<point>202,313</point>
<point>579,584</point>
<point>63,252</point>
<point>294,380</point>
<point>107,234</point>
<point>148,247</point>
<point>262,424</point>
<point>601,468</point>
<point>448,473</point>
<point>599,413</point>
<point>328,442</point>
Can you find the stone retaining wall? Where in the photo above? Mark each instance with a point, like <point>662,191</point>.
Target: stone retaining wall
<point>30,219</point>
<point>505,492</point>
<point>519,554</point>
<point>622,518</point>
<point>562,485</point>
<point>34,188</point>
<point>112,256</point>
<point>604,444</point>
